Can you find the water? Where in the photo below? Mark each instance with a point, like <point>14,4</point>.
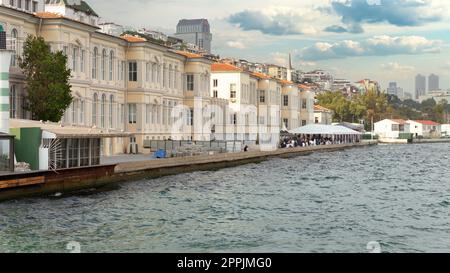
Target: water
<point>324,202</point>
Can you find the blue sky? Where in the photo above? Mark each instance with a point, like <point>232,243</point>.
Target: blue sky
<point>385,40</point>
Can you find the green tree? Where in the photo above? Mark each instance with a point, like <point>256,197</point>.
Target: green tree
<point>47,80</point>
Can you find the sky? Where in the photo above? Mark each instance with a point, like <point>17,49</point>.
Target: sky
<point>384,40</point>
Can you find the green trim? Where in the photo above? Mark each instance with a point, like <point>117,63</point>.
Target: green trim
<point>4,92</point>
<point>4,108</point>
<point>4,76</point>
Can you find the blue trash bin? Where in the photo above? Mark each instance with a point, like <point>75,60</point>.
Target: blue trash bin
<point>160,154</point>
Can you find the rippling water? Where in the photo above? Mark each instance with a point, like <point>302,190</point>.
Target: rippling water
<point>324,202</point>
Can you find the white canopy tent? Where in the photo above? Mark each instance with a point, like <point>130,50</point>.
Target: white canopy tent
<point>321,129</point>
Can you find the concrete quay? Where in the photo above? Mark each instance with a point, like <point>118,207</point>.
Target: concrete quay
<point>43,183</point>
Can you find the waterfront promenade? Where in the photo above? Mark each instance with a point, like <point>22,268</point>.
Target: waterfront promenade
<point>48,182</point>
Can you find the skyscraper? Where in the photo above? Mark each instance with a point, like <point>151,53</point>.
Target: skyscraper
<point>392,90</point>
<point>433,83</point>
<point>421,86</point>
<point>195,31</point>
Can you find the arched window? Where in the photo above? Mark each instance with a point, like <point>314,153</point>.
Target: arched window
<point>14,46</point>
<point>94,109</point>
<point>111,65</point>
<point>102,112</point>
<point>13,101</point>
<point>111,104</point>
<point>103,65</point>
<point>94,63</point>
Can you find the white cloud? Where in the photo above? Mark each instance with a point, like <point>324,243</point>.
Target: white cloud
<point>236,45</point>
<point>383,45</point>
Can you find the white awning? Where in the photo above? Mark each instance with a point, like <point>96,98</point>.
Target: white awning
<point>68,131</point>
<point>320,129</point>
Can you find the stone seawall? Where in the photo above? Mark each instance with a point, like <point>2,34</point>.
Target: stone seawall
<point>49,182</point>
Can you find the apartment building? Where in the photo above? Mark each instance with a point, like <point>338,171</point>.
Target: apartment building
<point>290,105</point>
<point>118,83</point>
<point>239,88</point>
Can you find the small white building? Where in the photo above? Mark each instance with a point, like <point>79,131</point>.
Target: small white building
<point>424,128</point>
<point>77,10</point>
<point>445,130</point>
<point>322,115</point>
<point>391,128</point>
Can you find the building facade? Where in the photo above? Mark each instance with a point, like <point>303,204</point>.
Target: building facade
<point>118,83</point>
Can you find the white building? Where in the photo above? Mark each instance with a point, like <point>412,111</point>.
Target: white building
<point>391,128</point>
<point>445,129</point>
<point>323,115</point>
<point>111,29</point>
<point>239,88</point>
<point>77,10</point>
<point>424,128</point>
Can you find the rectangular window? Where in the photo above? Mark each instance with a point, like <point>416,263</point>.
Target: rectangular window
<point>215,83</point>
<point>19,4</point>
<point>286,100</point>
<point>74,59</point>
<point>304,104</point>
<point>232,91</point>
<point>303,122</point>
<point>132,71</point>
<point>190,82</point>
<point>132,112</point>
<point>35,6</point>
<point>82,57</point>
<point>262,96</point>
<point>147,113</point>
<point>215,94</point>
<point>73,153</point>
<point>286,122</point>
<point>27,5</point>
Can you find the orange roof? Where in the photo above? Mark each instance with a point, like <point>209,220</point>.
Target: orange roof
<point>260,75</point>
<point>221,67</point>
<point>285,82</point>
<point>321,108</point>
<point>48,15</point>
<point>188,54</point>
<point>133,39</point>
<point>303,86</point>
<point>427,122</point>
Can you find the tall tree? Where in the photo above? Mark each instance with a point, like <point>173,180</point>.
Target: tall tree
<point>47,80</point>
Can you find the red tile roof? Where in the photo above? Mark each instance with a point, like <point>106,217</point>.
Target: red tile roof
<point>261,75</point>
<point>133,39</point>
<point>221,67</point>
<point>321,108</point>
<point>189,55</point>
<point>48,15</point>
<point>285,82</point>
<point>427,122</point>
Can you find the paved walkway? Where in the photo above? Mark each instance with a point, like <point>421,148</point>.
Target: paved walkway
<point>226,158</point>
<point>116,159</point>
